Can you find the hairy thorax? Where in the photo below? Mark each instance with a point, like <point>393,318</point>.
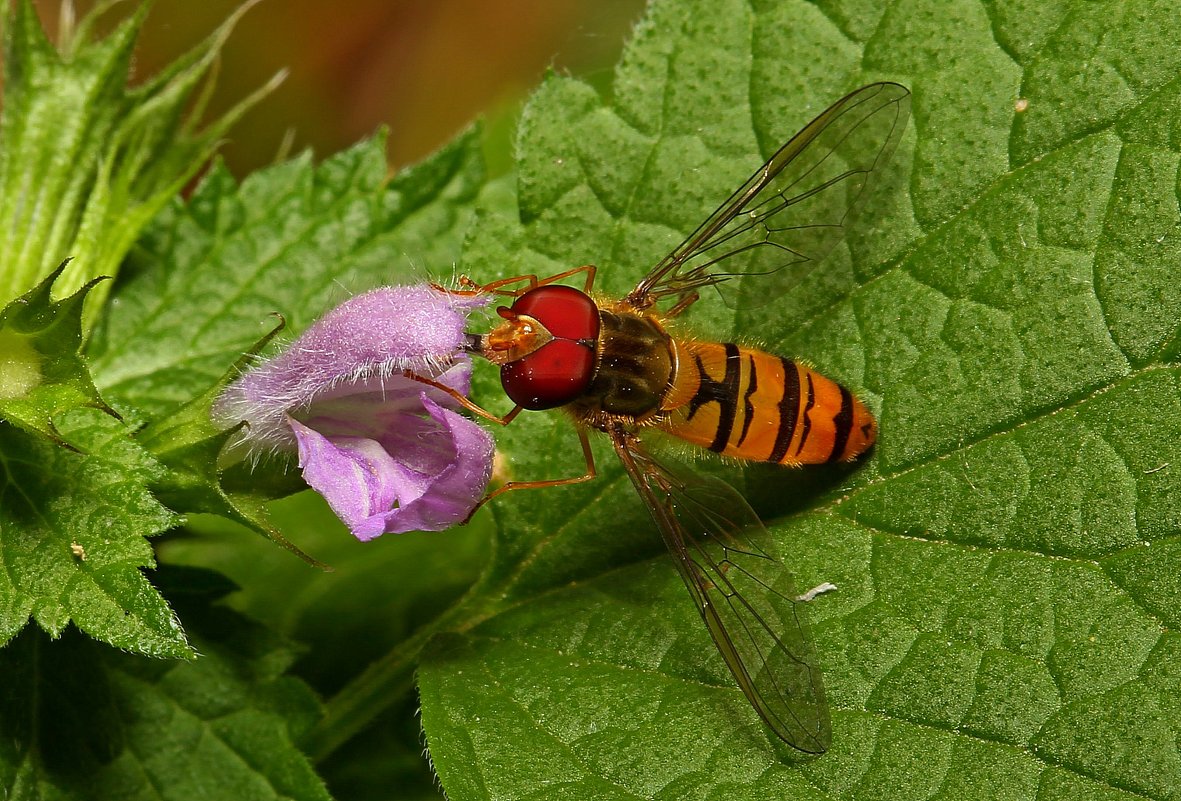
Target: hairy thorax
<point>636,367</point>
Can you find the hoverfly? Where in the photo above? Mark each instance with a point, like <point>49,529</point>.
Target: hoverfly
<point>615,367</point>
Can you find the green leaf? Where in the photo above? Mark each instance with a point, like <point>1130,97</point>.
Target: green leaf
<point>81,721</point>
<point>378,597</point>
<point>72,530</point>
<point>1007,559</point>
<point>86,161</point>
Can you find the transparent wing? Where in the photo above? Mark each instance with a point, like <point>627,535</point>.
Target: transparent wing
<point>744,594</point>
<point>794,210</point>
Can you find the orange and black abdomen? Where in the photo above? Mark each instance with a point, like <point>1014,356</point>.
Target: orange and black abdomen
<point>751,405</point>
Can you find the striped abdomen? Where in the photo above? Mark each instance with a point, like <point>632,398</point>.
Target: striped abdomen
<point>752,405</point>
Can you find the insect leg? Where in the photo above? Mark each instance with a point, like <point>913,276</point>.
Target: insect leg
<point>687,300</point>
<point>552,482</point>
<point>465,402</point>
<point>498,287</point>
<point>472,288</point>
<point>589,269</point>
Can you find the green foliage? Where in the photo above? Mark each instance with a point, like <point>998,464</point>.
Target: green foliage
<point>76,500</point>
<point>85,160</point>
<point>362,613</point>
<point>210,274</point>
<point>1007,560</point>
<point>72,530</point>
<point>83,721</point>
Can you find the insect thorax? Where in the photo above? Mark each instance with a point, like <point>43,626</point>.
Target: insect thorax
<point>634,370</point>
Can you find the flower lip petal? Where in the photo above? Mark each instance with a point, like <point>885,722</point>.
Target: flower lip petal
<point>355,475</point>
<point>458,488</point>
<point>376,493</point>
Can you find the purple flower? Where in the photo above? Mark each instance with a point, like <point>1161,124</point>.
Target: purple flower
<point>390,454</point>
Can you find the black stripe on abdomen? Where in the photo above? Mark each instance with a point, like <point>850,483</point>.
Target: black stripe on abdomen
<point>807,420</point>
<point>789,410</point>
<point>724,393</point>
<point>748,408</point>
<point>842,425</point>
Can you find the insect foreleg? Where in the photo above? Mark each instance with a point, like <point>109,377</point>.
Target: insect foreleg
<point>464,401</point>
<point>532,281</point>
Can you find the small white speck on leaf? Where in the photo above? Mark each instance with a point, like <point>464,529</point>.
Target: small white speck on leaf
<point>819,589</point>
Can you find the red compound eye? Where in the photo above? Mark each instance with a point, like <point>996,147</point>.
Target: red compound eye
<point>553,375</point>
<point>564,311</point>
<point>562,369</point>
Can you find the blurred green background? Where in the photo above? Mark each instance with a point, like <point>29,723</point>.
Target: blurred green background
<point>423,68</point>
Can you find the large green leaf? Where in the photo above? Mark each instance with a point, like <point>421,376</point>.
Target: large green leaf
<point>1007,559</point>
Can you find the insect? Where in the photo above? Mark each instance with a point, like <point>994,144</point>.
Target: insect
<point>616,367</point>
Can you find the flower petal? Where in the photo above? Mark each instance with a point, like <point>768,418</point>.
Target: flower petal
<point>430,481</point>
<point>391,394</point>
<point>355,475</point>
<point>457,489</point>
